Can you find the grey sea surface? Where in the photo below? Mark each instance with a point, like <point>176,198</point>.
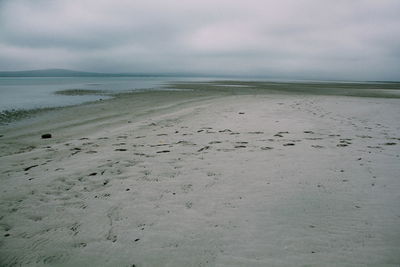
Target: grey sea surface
<point>27,93</point>
<point>40,92</point>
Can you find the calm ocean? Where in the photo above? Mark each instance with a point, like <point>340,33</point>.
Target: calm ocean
<point>39,92</point>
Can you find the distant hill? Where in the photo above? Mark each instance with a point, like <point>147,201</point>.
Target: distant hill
<point>72,73</point>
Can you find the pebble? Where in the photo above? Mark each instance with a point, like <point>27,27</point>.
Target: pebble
<point>46,136</point>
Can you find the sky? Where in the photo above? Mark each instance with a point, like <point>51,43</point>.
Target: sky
<point>297,39</point>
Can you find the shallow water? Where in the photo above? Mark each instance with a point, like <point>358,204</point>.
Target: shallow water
<point>39,92</point>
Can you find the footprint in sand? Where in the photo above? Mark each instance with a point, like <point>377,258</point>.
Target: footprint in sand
<point>317,146</point>
<point>203,148</point>
<point>113,215</point>
<point>266,148</point>
<point>390,144</point>
<point>163,151</point>
<point>280,134</point>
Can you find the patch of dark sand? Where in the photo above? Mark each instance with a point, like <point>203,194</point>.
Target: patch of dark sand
<point>72,92</point>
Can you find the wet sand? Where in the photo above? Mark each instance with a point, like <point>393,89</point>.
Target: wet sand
<point>227,177</point>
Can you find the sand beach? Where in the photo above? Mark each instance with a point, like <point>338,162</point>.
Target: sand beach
<point>213,174</point>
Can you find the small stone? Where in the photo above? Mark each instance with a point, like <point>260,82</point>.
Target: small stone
<point>46,136</point>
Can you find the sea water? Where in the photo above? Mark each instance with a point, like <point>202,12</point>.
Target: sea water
<point>40,92</point>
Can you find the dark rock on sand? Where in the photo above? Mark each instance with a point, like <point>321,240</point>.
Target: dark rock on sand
<point>46,136</point>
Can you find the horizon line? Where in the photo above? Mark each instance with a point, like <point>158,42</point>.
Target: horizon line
<point>79,73</point>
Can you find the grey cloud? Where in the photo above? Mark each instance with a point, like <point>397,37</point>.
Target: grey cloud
<point>333,39</point>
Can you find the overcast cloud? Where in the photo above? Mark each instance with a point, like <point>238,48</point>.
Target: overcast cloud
<point>324,39</point>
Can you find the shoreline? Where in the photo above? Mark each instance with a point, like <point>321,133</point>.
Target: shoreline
<point>211,177</point>
<point>356,89</point>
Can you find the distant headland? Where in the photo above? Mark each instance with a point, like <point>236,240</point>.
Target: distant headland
<point>75,73</point>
